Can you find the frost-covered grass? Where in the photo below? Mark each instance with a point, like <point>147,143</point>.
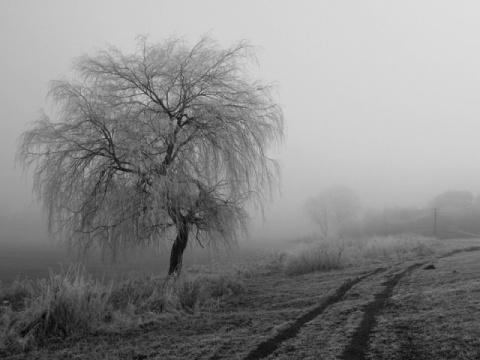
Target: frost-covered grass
<point>321,256</point>
<point>206,313</point>
<point>330,254</point>
<point>71,304</point>
<point>61,306</point>
<point>398,246</point>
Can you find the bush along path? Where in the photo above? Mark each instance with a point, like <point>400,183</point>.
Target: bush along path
<point>269,346</point>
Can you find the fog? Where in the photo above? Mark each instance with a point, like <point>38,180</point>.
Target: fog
<point>381,97</point>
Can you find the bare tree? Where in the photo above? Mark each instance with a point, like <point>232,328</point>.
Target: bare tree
<point>332,209</point>
<point>154,146</point>
<point>319,212</point>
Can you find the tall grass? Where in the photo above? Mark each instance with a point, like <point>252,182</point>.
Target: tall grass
<point>321,256</point>
<point>396,246</point>
<point>61,306</point>
<point>330,254</point>
<point>71,304</point>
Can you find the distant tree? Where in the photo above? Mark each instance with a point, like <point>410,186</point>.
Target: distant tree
<point>453,199</point>
<point>154,146</point>
<point>333,208</point>
<point>319,212</point>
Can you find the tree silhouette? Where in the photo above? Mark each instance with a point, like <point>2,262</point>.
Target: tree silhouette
<point>154,146</point>
<point>333,208</point>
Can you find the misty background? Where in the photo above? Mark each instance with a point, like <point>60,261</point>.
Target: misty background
<point>380,97</point>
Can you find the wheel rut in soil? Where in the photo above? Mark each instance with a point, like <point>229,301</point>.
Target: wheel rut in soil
<point>269,346</point>
<point>358,347</point>
<point>470,249</point>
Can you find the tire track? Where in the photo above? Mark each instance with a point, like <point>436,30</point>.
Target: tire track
<point>358,347</point>
<point>470,249</point>
<point>269,346</point>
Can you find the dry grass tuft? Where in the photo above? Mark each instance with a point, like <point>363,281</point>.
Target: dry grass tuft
<point>331,254</point>
<point>399,246</point>
<point>61,306</point>
<point>321,256</point>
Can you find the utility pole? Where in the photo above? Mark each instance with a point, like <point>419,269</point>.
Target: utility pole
<point>435,223</point>
<point>384,222</point>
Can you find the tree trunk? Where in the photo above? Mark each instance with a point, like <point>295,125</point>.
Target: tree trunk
<point>179,246</point>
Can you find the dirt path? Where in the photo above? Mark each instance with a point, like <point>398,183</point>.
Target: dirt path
<point>269,346</point>
<point>359,344</point>
<point>358,347</point>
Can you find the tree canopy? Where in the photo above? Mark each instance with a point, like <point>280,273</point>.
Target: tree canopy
<point>168,141</point>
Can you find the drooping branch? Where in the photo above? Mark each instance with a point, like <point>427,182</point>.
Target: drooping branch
<point>169,137</point>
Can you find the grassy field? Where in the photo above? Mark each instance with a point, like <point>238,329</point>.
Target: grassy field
<point>34,261</point>
<point>382,298</point>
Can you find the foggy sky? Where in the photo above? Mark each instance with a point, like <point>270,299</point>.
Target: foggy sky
<point>379,96</point>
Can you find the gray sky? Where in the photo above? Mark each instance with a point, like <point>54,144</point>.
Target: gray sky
<point>380,96</point>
